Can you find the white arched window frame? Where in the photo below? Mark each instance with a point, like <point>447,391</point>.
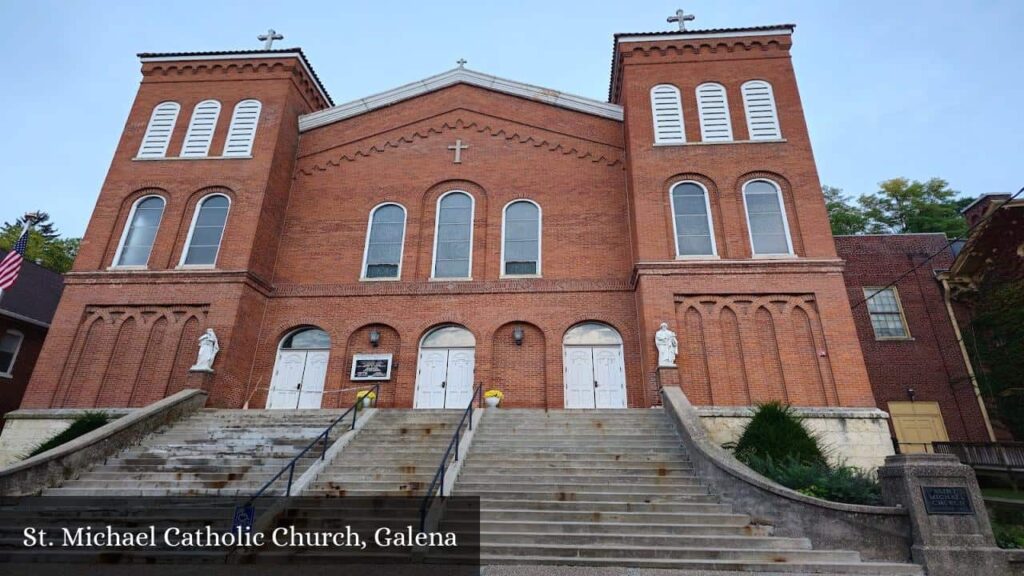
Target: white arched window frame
<point>667,112</point>
<point>713,112</point>
<point>369,235</point>
<point>158,132</point>
<point>200,129</point>
<point>196,215</point>
<point>242,131</point>
<point>437,225</point>
<point>708,219</point>
<point>781,212</point>
<point>759,106</point>
<point>130,225</point>
<point>504,237</point>
<point>10,345</point>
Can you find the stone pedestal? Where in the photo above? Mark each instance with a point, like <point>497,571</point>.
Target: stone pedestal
<point>200,380</point>
<point>668,376</point>
<point>951,531</point>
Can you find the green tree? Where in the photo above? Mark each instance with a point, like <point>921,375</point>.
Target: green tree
<point>902,206</point>
<point>845,217</point>
<point>45,244</point>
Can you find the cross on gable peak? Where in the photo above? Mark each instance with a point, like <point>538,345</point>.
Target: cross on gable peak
<point>682,18</point>
<point>269,37</point>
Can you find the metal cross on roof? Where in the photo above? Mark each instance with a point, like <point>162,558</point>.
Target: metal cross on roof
<point>269,37</point>
<point>461,62</point>
<point>682,18</point>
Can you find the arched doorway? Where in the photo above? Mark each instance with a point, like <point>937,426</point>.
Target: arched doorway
<point>300,370</point>
<point>444,373</point>
<point>595,375</point>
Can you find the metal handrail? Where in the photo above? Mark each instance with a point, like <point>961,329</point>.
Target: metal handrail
<point>991,454</point>
<point>324,436</point>
<point>442,468</point>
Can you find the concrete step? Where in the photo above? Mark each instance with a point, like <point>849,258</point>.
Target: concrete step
<point>619,540</point>
<point>469,486</point>
<point>684,567</point>
<point>593,507</point>
<point>710,552</point>
<point>555,530</point>
<point>608,495</point>
<point>577,478</point>
<point>592,517</point>
<point>596,468</point>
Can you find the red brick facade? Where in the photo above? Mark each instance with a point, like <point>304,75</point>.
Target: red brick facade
<point>928,363</point>
<point>750,329</point>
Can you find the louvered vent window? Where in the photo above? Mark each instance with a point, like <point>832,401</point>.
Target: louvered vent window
<point>243,128</point>
<point>759,105</point>
<point>200,129</point>
<point>667,108</point>
<point>713,109</point>
<point>158,132</point>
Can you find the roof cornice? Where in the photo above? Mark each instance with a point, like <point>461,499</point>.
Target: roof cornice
<point>297,53</point>
<point>450,78</point>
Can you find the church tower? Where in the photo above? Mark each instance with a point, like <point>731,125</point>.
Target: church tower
<point>731,239</point>
<point>211,139</point>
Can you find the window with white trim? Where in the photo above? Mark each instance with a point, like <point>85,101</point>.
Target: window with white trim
<point>667,109</point>
<point>200,129</point>
<point>759,106</point>
<point>140,232</point>
<point>713,111</point>
<point>159,129</point>
<point>520,249</point>
<point>204,238</point>
<point>766,219</point>
<point>453,236</point>
<point>242,130</point>
<point>10,344</point>
<point>691,220</point>
<point>385,238</point>
<point>886,313</point>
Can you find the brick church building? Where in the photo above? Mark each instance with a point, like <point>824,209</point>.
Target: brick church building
<point>460,230</point>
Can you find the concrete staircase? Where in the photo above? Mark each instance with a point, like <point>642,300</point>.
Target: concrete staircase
<point>615,488</point>
<point>212,453</point>
<point>396,454</point>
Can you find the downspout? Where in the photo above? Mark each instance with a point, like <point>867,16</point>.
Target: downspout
<point>967,359</point>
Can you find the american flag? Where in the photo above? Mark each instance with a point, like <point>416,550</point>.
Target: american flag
<point>11,264</point>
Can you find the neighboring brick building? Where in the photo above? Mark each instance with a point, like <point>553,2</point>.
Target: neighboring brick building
<point>547,234</point>
<point>26,310</point>
<point>917,369</point>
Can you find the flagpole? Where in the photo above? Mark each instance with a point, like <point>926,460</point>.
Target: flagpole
<point>29,220</point>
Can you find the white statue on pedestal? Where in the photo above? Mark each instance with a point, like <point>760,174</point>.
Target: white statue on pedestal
<point>208,348</point>
<point>668,346</point>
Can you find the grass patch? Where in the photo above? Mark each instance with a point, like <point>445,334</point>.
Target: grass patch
<point>82,425</point>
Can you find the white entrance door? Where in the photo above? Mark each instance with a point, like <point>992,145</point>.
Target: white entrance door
<point>594,377</point>
<point>444,378</point>
<point>298,380</point>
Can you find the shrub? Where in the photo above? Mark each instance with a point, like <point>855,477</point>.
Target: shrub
<point>776,433</point>
<point>818,479</point>
<point>82,425</point>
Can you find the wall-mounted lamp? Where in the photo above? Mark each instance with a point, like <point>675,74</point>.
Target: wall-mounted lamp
<point>374,337</point>
<point>517,335</point>
<point>911,393</point>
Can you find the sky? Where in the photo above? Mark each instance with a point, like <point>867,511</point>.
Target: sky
<point>917,89</point>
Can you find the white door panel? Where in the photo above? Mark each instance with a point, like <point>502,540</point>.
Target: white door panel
<point>610,390</point>
<point>430,378</point>
<point>312,391</point>
<point>284,386</point>
<point>579,377</point>
<point>459,388</point>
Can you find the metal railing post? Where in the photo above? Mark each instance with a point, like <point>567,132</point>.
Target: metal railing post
<point>355,412</point>
<point>291,473</point>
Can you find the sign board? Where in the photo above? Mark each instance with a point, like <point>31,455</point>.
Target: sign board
<point>371,367</point>
<point>244,517</point>
<point>947,500</point>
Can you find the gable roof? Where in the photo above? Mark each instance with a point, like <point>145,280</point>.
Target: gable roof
<point>34,297</point>
<point>450,78</point>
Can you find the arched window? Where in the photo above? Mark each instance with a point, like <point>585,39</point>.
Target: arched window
<point>200,129</point>
<point>385,238</point>
<point>766,218</point>
<point>158,132</point>
<point>451,336</point>
<point>453,236</point>
<point>520,247</point>
<point>592,334</point>
<point>759,105</point>
<point>207,230</point>
<point>691,220</point>
<point>140,232</point>
<point>242,131</point>
<point>667,108</point>
<point>307,339</point>
<point>10,344</point>
<point>713,110</point>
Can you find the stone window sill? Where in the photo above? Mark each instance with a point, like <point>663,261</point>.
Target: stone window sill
<point>722,143</point>
<point>188,158</point>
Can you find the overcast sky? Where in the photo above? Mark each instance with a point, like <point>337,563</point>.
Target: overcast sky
<point>890,88</point>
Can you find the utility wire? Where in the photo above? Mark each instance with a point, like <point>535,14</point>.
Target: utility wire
<point>949,243</point>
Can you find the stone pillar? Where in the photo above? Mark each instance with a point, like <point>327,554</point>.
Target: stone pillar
<point>951,531</point>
